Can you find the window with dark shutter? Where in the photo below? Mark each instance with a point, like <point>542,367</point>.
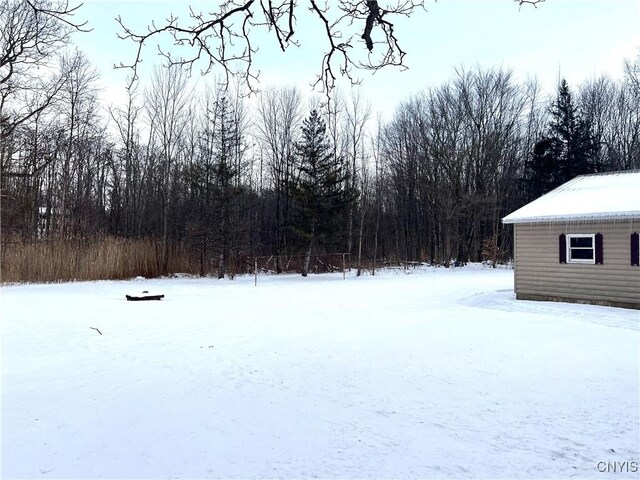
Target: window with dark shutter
<point>562,248</point>
<point>635,249</point>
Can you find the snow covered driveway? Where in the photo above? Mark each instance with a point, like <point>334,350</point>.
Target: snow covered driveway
<point>436,374</point>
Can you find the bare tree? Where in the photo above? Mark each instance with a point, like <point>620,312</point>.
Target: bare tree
<point>32,33</point>
<point>78,105</point>
<point>167,104</point>
<point>357,115</point>
<point>454,155</point>
<point>127,167</point>
<point>632,71</point>
<point>279,112</point>
<point>59,162</point>
<point>613,112</point>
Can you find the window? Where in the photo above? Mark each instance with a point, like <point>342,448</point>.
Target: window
<point>581,248</point>
<point>635,249</point>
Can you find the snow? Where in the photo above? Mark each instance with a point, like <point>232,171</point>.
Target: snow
<point>433,373</point>
<point>587,197</point>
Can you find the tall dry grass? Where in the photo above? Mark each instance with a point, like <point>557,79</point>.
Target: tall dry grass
<point>96,259</point>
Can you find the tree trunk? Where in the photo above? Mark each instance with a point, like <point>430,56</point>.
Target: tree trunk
<point>307,261</point>
<point>360,232</point>
<point>165,238</point>
<point>221,266</point>
<point>307,254</point>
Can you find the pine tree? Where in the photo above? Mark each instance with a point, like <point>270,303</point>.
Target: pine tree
<point>568,148</point>
<point>214,177</point>
<point>542,168</point>
<point>321,194</point>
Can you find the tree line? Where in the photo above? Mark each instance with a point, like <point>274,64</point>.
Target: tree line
<point>207,173</point>
<point>459,157</point>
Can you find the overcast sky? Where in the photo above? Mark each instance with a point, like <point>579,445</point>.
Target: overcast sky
<point>574,39</point>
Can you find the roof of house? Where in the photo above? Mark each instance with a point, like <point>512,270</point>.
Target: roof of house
<point>602,196</point>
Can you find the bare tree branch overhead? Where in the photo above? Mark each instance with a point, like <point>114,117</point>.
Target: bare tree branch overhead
<point>61,11</point>
<point>529,2</point>
<point>32,33</point>
<point>226,39</point>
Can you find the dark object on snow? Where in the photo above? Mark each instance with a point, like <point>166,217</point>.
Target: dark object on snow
<point>144,296</point>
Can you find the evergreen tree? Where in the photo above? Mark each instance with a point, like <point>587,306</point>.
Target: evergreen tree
<point>321,193</point>
<point>542,168</point>
<point>568,148</point>
<point>214,177</point>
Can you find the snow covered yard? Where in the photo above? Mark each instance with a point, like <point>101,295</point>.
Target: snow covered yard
<point>436,374</point>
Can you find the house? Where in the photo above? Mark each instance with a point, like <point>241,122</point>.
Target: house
<point>580,242</point>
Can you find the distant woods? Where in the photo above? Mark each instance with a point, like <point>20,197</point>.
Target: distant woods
<point>457,158</point>
<point>180,178</point>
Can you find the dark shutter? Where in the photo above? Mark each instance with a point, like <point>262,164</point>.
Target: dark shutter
<point>635,249</point>
<point>599,252</point>
<point>562,248</point>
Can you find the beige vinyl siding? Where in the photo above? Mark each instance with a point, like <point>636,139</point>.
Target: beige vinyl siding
<point>539,275</point>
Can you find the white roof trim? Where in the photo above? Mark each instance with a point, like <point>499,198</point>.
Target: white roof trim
<point>559,218</point>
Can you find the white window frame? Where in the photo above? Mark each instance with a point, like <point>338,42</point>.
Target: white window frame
<point>592,236</point>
